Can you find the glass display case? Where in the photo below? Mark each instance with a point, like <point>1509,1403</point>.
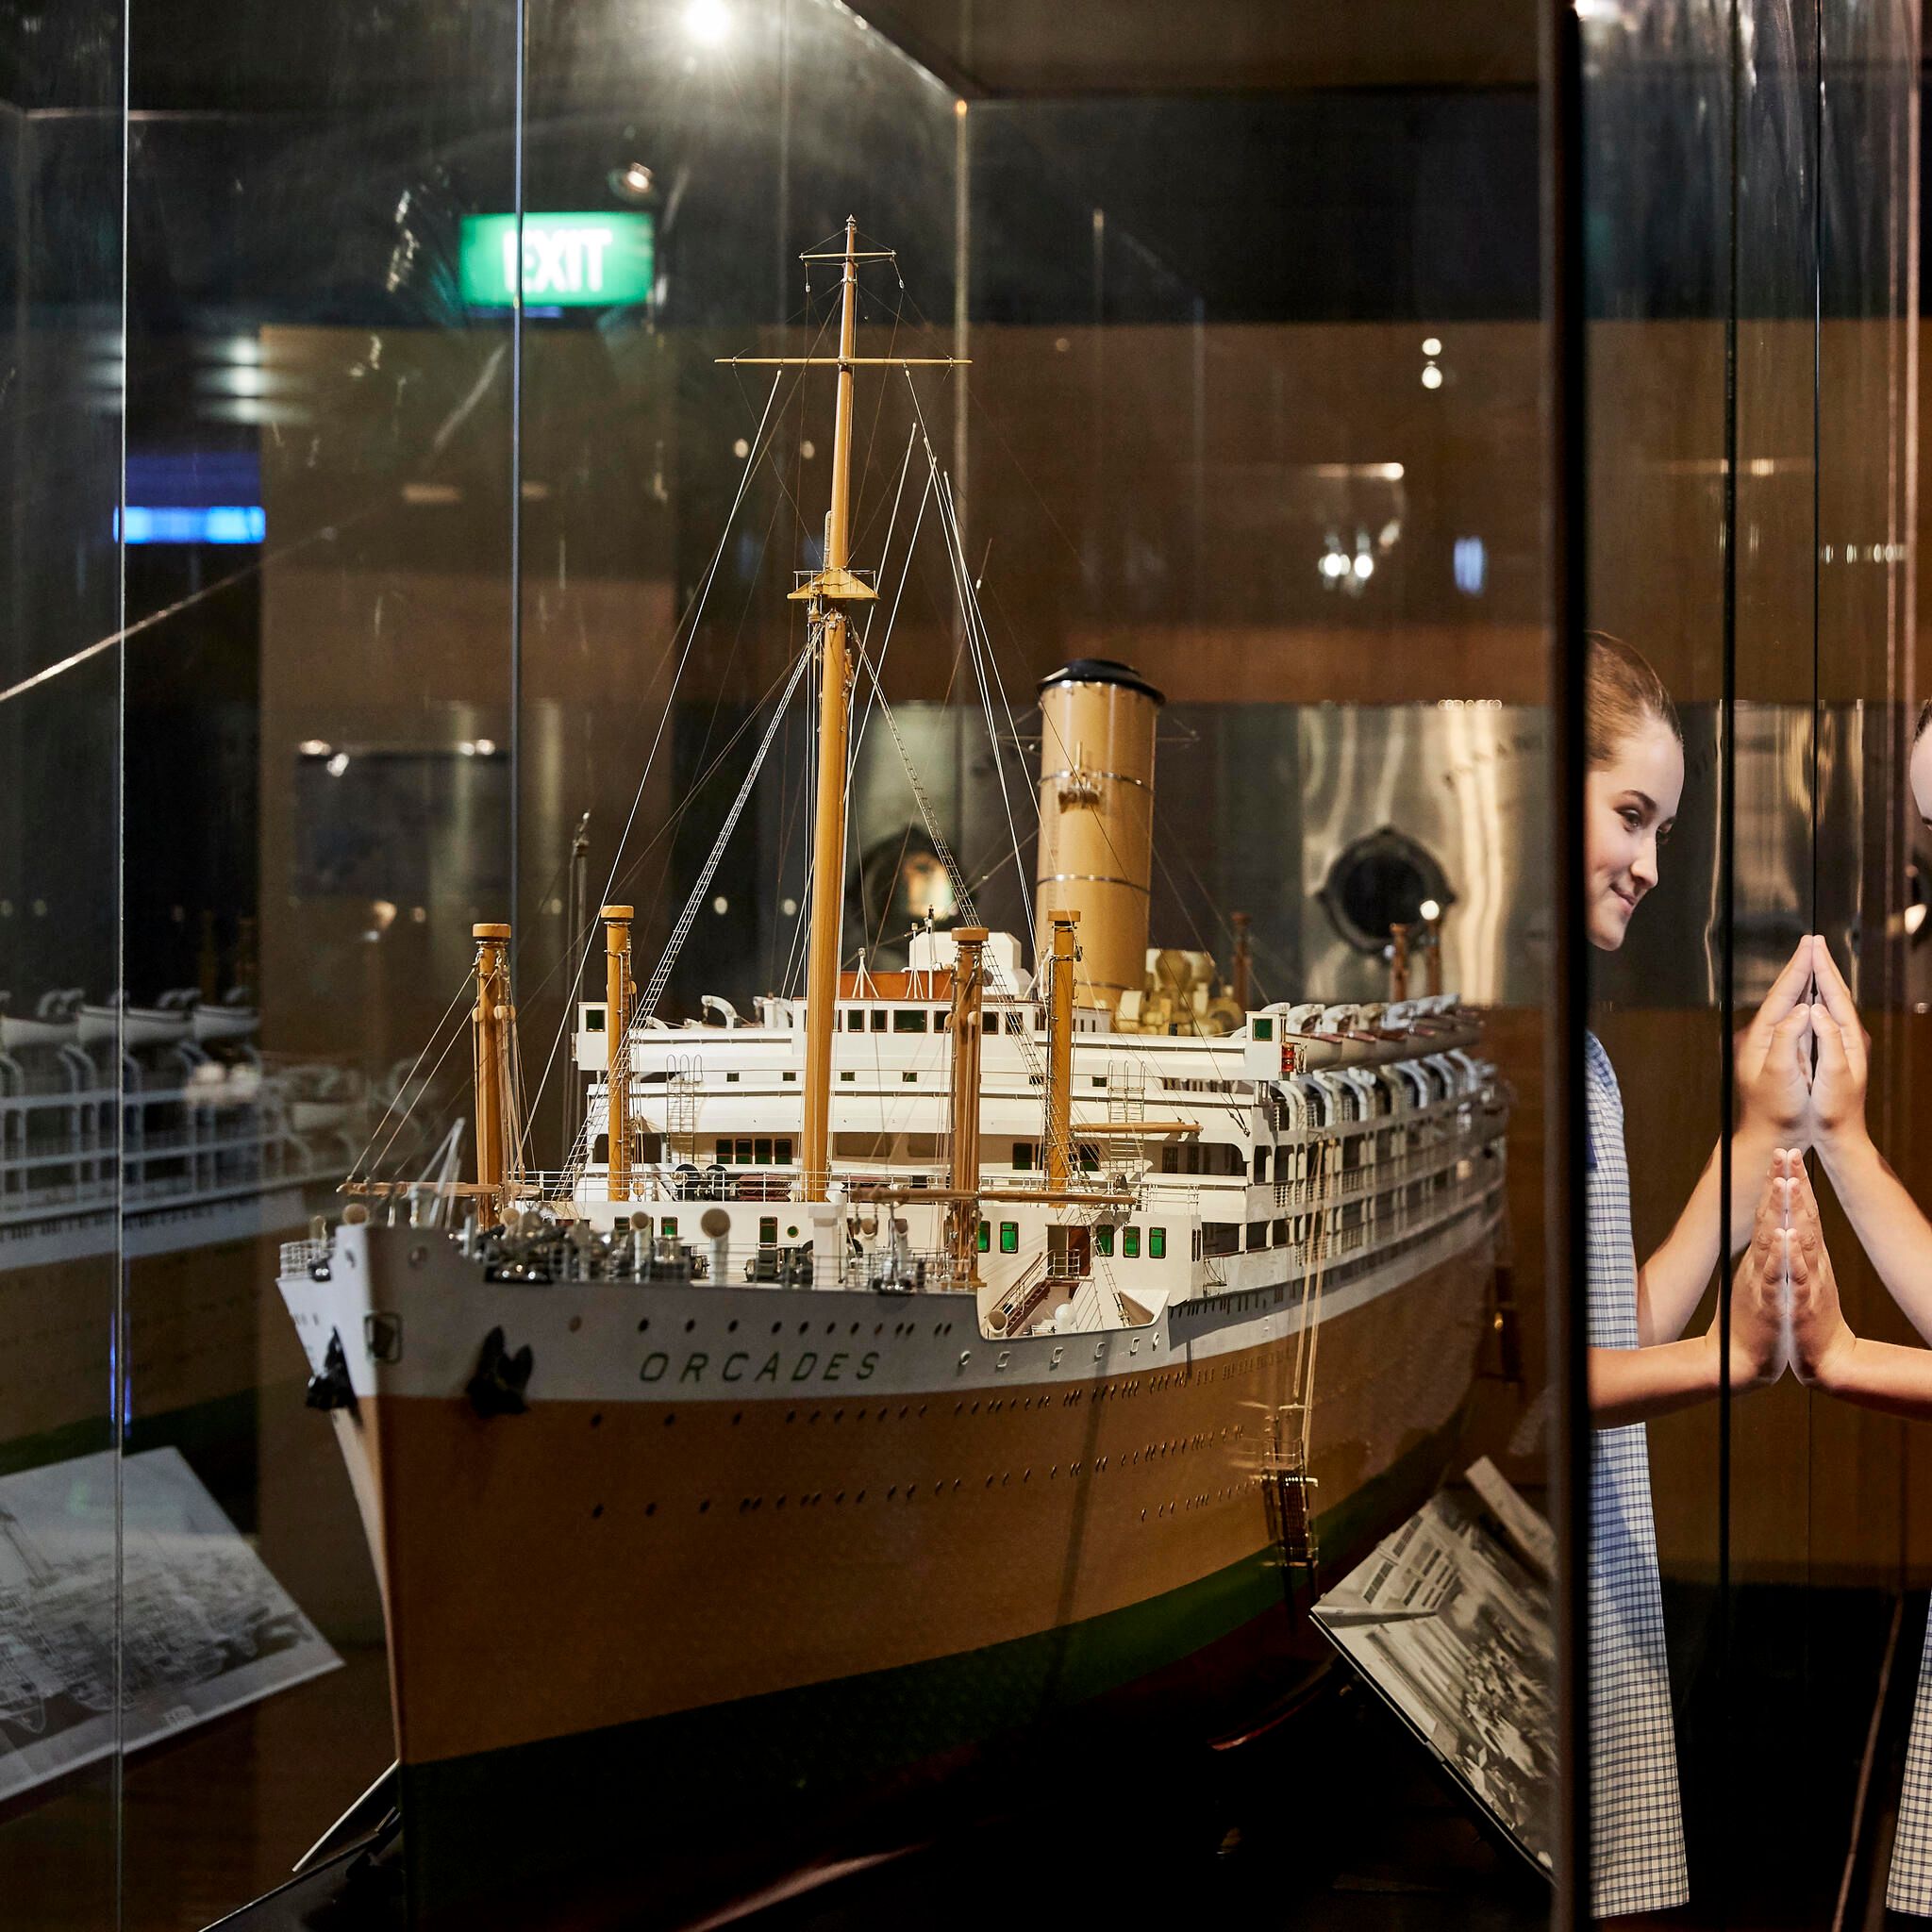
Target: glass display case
<point>793,964</point>
<point>781,815</point>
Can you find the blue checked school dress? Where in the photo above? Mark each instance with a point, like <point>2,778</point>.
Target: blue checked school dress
<point>1910,1886</point>
<point>1637,1823</point>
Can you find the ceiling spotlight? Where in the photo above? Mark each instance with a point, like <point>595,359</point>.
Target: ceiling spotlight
<point>1432,345</point>
<point>633,182</point>
<point>1432,376</point>
<point>707,22</point>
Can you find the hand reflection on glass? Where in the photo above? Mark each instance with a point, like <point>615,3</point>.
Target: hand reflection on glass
<point>1826,1350</point>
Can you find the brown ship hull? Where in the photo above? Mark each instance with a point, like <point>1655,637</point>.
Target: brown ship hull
<point>707,1638</point>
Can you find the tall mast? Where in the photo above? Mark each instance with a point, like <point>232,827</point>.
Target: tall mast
<point>1059,1049</point>
<point>829,835</point>
<point>617,992</point>
<point>968,981</point>
<point>488,1028</point>
<point>829,588</point>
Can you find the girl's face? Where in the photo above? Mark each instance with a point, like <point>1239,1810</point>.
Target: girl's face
<point>1629,806</point>
<point>1920,772</point>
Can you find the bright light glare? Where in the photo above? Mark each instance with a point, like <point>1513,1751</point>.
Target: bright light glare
<point>1915,918</point>
<point>721,905</point>
<point>1432,345</point>
<point>338,765</point>
<point>313,747</point>
<point>1432,376</point>
<point>1364,565</point>
<point>1334,564</point>
<point>1429,909</point>
<point>707,22</point>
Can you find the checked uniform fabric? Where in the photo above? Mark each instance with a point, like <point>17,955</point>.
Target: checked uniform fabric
<point>1910,1886</point>
<point>1637,1824</point>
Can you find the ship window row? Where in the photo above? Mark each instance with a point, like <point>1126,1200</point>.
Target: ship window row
<point>1130,1244</point>
<point>646,1150</point>
<point>758,1150</point>
<point>1202,1156</point>
<point>902,1019</point>
<point>1103,1243</point>
<point>1029,1155</point>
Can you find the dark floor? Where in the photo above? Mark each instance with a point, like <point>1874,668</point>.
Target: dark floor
<point>1338,1819</point>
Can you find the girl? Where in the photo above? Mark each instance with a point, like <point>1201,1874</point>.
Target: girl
<point>1637,1366</point>
<point>1874,1374</point>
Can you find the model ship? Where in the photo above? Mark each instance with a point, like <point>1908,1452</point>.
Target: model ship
<point>934,1362</point>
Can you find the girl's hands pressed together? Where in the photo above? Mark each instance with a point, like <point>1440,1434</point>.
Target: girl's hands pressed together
<point>1757,1348</point>
<point>1836,1118</point>
<point>1773,1083</point>
<point>1820,1340</point>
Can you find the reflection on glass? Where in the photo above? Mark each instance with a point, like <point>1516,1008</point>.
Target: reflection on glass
<point>458,572</point>
<point>1753,215</point>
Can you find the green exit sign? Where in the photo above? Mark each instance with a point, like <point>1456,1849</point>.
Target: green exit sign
<point>569,261</point>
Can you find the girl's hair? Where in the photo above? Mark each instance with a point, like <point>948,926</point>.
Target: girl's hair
<point>1622,694</point>
<point>1924,719</point>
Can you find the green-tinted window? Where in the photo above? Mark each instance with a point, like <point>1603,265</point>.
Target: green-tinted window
<point>1156,1244</point>
<point>781,1150</point>
<point>744,1154</point>
<point>1263,1029</point>
<point>1009,1237</point>
<point>1103,1241</point>
<point>723,1153</point>
<point>593,1020</point>
<point>985,1236</point>
<point>848,1075</point>
<point>878,1019</point>
<point>908,1019</point>
<point>1130,1244</point>
<point>768,1230</point>
<point>1100,1079</point>
<point>762,1150</point>
<point>668,1227</point>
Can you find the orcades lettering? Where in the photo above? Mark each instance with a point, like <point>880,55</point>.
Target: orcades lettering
<point>741,1366</point>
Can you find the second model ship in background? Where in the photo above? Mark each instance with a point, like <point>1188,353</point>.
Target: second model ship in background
<point>941,1359</point>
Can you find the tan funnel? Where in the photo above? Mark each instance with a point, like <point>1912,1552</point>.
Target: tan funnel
<point>1096,819</point>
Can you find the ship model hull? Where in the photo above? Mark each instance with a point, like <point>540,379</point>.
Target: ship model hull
<point>750,1561</point>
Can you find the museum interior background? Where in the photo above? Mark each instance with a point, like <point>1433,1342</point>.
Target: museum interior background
<point>340,596</point>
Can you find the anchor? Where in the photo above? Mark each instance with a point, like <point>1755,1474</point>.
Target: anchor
<point>497,1387</point>
<point>330,1388</point>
